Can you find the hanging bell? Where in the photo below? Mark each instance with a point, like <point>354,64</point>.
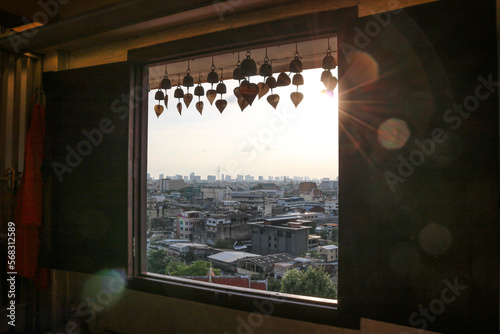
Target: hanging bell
<point>178,93</point>
<point>221,88</point>
<point>213,77</point>
<point>159,95</point>
<point>298,80</point>
<point>199,90</point>
<point>165,83</point>
<point>248,66</point>
<point>296,65</point>
<point>188,80</point>
<point>237,75</point>
<point>329,62</point>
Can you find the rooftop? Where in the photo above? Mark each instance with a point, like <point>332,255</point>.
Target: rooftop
<point>230,257</point>
<point>270,259</point>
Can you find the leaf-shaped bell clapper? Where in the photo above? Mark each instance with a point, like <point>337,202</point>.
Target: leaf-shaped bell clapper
<point>283,80</point>
<point>326,75</point>
<point>298,80</point>
<point>248,66</point>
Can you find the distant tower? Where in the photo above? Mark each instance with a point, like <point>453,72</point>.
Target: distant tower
<point>218,175</point>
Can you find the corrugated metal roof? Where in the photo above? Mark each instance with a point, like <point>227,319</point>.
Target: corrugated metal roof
<point>230,257</point>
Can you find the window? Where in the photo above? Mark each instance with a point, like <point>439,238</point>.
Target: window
<point>305,125</point>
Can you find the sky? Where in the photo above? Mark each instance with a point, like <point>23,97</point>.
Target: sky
<point>259,141</point>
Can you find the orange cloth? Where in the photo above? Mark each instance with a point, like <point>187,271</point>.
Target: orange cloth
<point>29,198</point>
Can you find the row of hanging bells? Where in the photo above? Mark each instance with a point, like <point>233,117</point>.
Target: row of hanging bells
<point>246,92</point>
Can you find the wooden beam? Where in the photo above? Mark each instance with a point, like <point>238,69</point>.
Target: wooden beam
<point>111,17</point>
<point>297,29</point>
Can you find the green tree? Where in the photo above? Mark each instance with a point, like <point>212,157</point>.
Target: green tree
<point>223,243</point>
<point>158,259</point>
<point>313,282</point>
<point>325,234</point>
<point>197,268</point>
<point>273,284</point>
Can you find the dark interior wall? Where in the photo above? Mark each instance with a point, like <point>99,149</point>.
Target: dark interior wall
<point>422,217</point>
<point>87,158</point>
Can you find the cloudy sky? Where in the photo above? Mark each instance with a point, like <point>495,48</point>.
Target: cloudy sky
<point>287,141</point>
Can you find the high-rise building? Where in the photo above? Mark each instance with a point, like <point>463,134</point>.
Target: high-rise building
<point>261,178</point>
<point>191,176</point>
<point>211,178</point>
<point>239,177</point>
<point>162,176</point>
<point>228,178</point>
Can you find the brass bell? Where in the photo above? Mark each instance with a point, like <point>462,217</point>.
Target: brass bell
<point>237,75</point>
<point>199,90</point>
<point>298,80</point>
<point>296,65</point>
<point>329,62</point>
<point>248,66</point>
<point>166,83</point>
<point>266,70</point>
<point>221,88</point>
<point>178,93</point>
<point>213,77</point>
<point>188,81</point>
<point>159,95</point>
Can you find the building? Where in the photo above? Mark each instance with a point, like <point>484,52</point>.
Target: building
<point>270,188</point>
<point>215,194</point>
<point>168,185</point>
<point>329,185</point>
<point>308,190</point>
<point>261,264</point>
<point>211,178</point>
<point>253,198</point>
<point>330,253</point>
<point>190,251</point>
<point>185,223</point>
<point>227,261</point>
<point>233,227</point>
<point>279,235</point>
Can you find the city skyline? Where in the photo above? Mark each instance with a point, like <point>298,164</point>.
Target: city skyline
<point>233,177</point>
<point>259,141</point>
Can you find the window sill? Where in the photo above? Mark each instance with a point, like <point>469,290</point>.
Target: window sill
<point>311,309</point>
